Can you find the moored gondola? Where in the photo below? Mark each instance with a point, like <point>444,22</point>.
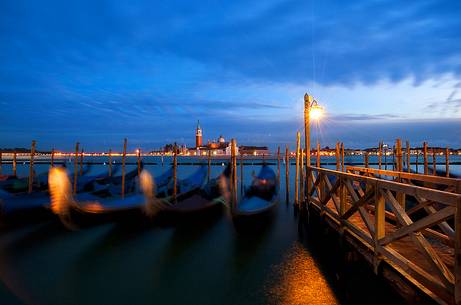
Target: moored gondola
<point>197,198</point>
<point>90,208</point>
<point>259,199</point>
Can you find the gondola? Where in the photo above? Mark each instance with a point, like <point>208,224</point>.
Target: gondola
<point>23,207</point>
<point>195,196</point>
<point>260,198</point>
<point>14,184</point>
<point>90,208</point>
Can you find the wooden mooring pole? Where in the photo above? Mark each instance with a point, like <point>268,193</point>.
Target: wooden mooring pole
<point>110,162</point>
<point>301,176</point>
<point>366,160</point>
<point>209,165</point>
<point>318,154</point>
<point>287,172</point>
<point>278,163</point>
<point>380,154</point>
<point>337,155</point>
<point>447,162</point>
<point>81,163</point>
<point>14,163</point>
<point>342,157</point>
<point>298,139</point>
<point>31,166</point>
<point>399,165</point>
<point>307,139</point>
<point>241,176</point>
<point>175,174</point>
<point>76,167</point>
<point>434,162</point>
<point>408,157</point>
<point>139,162</point>
<point>426,167</point>
<point>123,166</point>
<point>52,157</point>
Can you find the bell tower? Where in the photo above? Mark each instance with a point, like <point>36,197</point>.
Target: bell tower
<point>198,135</point>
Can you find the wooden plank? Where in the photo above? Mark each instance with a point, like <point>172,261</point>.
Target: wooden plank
<point>419,225</point>
<point>457,270</point>
<point>380,209</point>
<point>410,267</point>
<point>357,202</point>
<point>410,176</point>
<point>425,247</point>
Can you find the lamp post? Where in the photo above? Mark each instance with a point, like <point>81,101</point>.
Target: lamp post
<point>311,109</point>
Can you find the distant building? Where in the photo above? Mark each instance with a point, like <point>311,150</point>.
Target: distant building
<point>253,150</point>
<point>198,135</point>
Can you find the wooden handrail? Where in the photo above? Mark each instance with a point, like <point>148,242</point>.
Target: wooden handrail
<point>404,175</point>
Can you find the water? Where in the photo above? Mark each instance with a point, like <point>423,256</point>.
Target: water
<point>206,263</point>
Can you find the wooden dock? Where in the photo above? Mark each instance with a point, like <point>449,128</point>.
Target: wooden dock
<point>405,225</point>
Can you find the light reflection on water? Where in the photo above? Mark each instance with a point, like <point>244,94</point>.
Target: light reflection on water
<point>199,263</point>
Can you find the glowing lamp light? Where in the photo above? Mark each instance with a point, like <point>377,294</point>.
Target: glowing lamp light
<point>316,112</point>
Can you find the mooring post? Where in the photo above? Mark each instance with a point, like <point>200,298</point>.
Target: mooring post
<point>209,165</point>
<point>447,162</point>
<point>52,157</point>
<point>307,138</point>
<point>399,167</point>
<point>14,163</point>
<point>337,152</point>
<point>298,139</point>
<point>31,166</point>
<point>301,176</point>
<point>417,161</point>
<point>175,166</point>
<point>366,159</point>
<point>123,166</point>
<point>318,154</point>
<point>342,157</point>
<point>434,162</point>
<point>81,163</point>
<point>278,163</point>
<point>139,161</point>
<point>241,176</point>
<point>235,167</point>
<point>1,162</point>
<point>380,154</point>
<point>234,171</point>
<point>76,167</point>
<point>408,157</point>
<point>426,167</point>
<point>110,162</point>
<point>287,177</point>
<point>393,158</point>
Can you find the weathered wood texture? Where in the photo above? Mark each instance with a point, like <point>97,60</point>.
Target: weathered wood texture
<point>424,248</point>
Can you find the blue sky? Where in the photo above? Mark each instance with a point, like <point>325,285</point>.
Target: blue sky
<point>99,71</point>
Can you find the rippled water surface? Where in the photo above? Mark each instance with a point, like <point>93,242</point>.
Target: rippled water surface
<point>206,262</point>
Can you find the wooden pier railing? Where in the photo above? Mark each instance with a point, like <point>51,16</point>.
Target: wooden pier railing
<point>413,230</point>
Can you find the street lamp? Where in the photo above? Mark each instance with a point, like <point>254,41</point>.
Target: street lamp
<point>311,109</point>
<point>314,111</point>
